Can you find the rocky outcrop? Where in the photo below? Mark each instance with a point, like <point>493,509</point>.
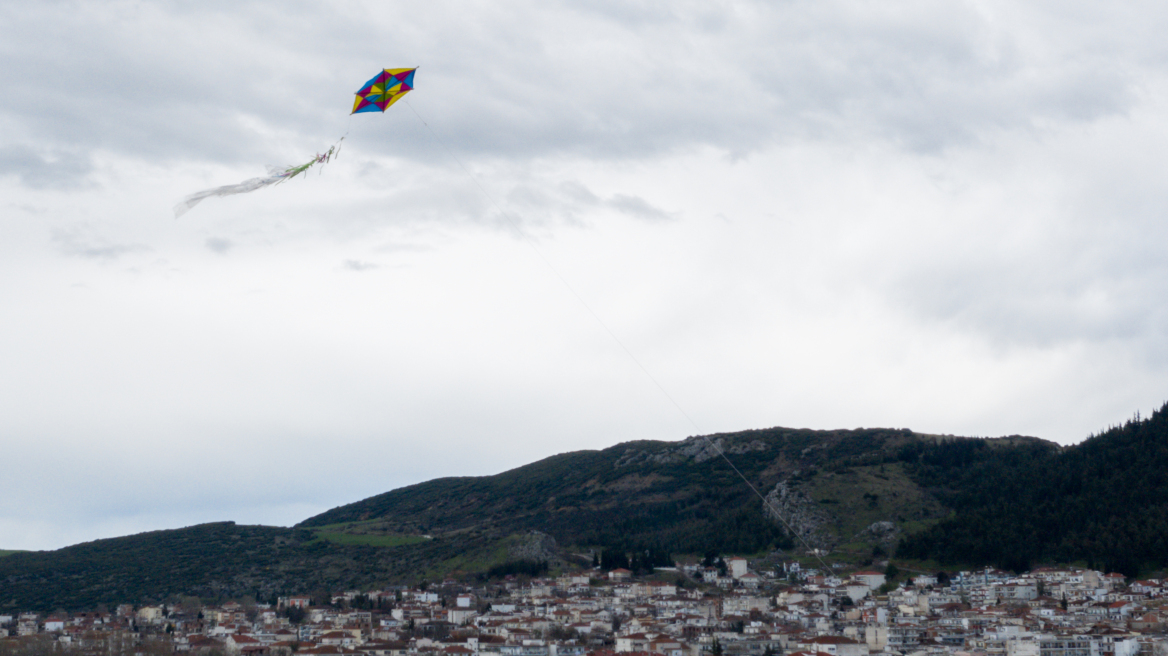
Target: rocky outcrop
<point>535,546</point>
<point>799,513</point>
<point>697,448</point>
<point>884,532</point>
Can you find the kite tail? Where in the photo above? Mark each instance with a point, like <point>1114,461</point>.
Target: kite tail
<point>321,158</point>
<point>276,175</point>
<point>247,186</point>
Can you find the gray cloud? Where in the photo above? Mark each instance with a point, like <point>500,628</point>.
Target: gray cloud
<point>241,82</point>
<point>535,201</point>
<point>82,241</point>
<point>358,265</point>
<point>39,170</point>
<point>219,244</point>
<point>638,207</point>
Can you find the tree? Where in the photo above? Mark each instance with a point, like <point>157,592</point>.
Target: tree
<point>611,559</point>
<point>716,648</point>
<point>295,614</point>
<point>891,572</point>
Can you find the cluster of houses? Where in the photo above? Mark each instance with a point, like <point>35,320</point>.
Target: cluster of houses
<point>730,610</point>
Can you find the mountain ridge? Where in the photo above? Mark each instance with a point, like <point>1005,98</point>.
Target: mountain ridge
<point>852,493</point>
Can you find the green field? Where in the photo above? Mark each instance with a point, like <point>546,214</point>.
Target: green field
<point>860,496</point>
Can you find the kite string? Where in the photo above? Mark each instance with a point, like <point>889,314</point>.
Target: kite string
<point>661,388</point>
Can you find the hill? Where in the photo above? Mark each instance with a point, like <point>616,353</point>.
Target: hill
<point>1005,501</point>
<point>679,497</point>
<point>665,497</point>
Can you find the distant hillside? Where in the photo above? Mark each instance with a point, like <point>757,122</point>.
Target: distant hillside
<point>219,560</point>
<point>1007,501</point>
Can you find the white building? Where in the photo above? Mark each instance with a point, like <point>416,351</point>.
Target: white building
<point>871,579</point>
<point>738,567</point>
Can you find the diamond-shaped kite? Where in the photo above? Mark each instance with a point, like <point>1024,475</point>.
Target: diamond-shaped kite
<point>384,90</point>
<point>376,96</point>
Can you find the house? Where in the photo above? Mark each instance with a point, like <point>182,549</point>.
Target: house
<point>294,602</point>
<point>240,644</point>
<point>869,578</point>
<point>634,642</point>
<point>1150,588</point>
<point>460,616</point>
<point>668,647</point>
<point>342,638</point>
<point>660,589</point>
<point>835,645</point>
<point>1147,621</point>
<point>750,580</point>
<point>201,644</point>
<point>389,648</point>
<point>1114,581</point>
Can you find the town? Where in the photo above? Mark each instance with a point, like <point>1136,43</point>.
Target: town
<point>720,607</point>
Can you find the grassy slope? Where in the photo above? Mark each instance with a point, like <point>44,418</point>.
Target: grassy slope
<point>341,537</point>
<point>861,496</point>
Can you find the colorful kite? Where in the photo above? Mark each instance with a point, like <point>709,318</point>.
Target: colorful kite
<point>384,90</point>
<point>377,95</point>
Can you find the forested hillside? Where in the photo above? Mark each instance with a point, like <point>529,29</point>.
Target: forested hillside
<point>1103,502</point>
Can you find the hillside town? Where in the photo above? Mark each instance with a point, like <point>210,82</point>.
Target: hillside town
<point>723,608</point>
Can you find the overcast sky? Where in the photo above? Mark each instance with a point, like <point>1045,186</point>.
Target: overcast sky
<point>944,216</point>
